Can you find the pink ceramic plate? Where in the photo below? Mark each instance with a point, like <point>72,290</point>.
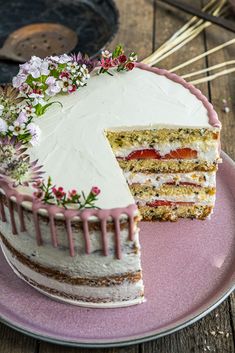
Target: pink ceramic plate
<point>189,268</point>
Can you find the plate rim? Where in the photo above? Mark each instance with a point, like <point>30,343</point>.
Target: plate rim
<point>105,343</point>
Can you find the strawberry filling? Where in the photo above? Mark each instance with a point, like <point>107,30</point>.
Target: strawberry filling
<point>151,153</point>
<point>158,203</point>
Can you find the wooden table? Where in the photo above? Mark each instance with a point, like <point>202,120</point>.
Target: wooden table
<point>144,25</point>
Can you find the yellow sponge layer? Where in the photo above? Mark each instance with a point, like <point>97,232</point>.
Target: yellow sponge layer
<point>146,192</point>
<point>163,166</point>
<point>172,213</point>
<point>125,139</point>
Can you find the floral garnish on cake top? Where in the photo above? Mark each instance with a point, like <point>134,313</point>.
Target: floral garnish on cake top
<point>51,194</point>
<point>29,96</point>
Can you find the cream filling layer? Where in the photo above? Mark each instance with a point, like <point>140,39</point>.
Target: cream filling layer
<point>206,151</point>
<point>196,199</point>
<point>115,293</point>
<point>204,179</point>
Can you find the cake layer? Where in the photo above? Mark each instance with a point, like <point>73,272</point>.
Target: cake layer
<point>164,166</point>
<point>203,179</point>
<point>171,137</point>
<point>173,212</point>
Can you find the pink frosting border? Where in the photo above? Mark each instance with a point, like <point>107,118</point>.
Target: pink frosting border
<point>104,214</point>
<point>212,115</point>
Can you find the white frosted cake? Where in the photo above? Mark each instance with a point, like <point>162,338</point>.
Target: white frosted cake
<point>128,145</point>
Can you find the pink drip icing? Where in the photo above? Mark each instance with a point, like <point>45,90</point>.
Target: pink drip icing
<point>117,238</point>
<point>212,115</point>
<point>53,210</point>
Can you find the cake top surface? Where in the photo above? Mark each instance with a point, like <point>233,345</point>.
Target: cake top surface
<point>74,150</point>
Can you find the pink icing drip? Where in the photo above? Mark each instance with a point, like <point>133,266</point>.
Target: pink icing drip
<point>53,210</point>
<point>212,115</point>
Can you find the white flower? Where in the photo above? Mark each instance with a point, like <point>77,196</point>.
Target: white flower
<point>3,125</point>
<point>1,109</point>
<point>18,80</point>
<point>73,67</point>
<point>66,84</point>
<point>38,98</point>
<point>62,59</point>
<point>53,86</point>
<point>17,128</point>
<point>22,119</point>
<point>106,54</point>
<point>29,110</point>
<point>35,131</point>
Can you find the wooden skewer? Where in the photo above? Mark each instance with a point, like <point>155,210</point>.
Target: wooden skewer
<point>212,77</point>
<point>221,46</point>
<point>214,67</point>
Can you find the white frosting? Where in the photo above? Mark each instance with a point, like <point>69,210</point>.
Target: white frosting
<point>74,149</point>
<point>199,200</point>
<point>127,292</point>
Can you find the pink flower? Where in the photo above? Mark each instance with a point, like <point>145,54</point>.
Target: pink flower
<point>122,58</point>
<point>64,74</point>
<point>130,66</point>
<point>72,193</point>
<point>95,190</point>
<point>106,63</point>
<point>73,89</point>
<point>115,62</point>
<point>38,194</point>
<point>59,193</point>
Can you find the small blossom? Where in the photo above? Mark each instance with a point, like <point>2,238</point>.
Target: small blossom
<point>130,66</point>
<point>66,84</point>
<point>38,194</point>
<point>62,59</point>
<point>22,118</point>
<point>16,128</point>
<point>35,132</point>
<point>95,190</point>
<point>37,98</point>
<point>106,63</point>
<point>106,54</point>
<point>18,80</point>
<point>73,67</point>
<point>122,58</point>
<point>3,126</point>
<point>53,86</point>
<point>115,62</point>
<point>58,192</point>
<point>29,110</point>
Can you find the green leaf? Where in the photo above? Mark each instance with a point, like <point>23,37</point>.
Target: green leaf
<point>117,51</point>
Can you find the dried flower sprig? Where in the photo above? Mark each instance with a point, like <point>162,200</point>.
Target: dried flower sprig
<point>117,59</point>
<point>15,164</point>
<point>50,194</point>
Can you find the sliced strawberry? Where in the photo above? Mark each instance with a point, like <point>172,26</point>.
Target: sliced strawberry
<point>181,153</point>
<point>158,203</point>
<point>150,153</point>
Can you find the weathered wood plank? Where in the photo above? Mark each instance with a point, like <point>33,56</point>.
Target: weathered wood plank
<point>12,341</point>
<point>136,26</point>
<point>51,348</point>
<point>210,334</point>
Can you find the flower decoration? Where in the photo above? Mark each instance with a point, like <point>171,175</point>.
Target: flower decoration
<point>15,163</point>
<point>117,59</point>
<point>51,194</point>
<point>28,97</point>
<point>40,79</point>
